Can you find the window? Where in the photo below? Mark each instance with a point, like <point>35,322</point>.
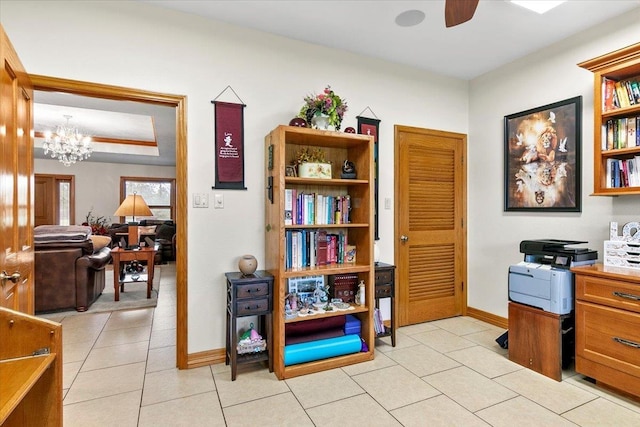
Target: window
<point>159,193</point>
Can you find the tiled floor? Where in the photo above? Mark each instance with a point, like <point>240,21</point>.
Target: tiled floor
<point>120,371</point>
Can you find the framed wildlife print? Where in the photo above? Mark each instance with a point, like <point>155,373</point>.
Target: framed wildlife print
<point>542,158</point>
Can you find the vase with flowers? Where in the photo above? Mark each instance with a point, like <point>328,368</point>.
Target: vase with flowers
<point>324,109</point>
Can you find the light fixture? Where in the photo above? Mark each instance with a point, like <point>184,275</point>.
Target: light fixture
<point>134,205</point>
<point>67,144</point>
<point>539,6</point>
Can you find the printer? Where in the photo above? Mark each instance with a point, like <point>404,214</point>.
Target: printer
<point>543,279</point>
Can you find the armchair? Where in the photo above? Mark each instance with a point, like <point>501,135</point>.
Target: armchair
<point>69,268</point>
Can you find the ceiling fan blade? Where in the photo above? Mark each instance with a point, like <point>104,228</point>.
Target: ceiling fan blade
<point>458,11</point>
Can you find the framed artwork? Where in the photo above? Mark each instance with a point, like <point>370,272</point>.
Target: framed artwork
<point>368,126</point>
<point>542,158</point>
<point>290,171</point>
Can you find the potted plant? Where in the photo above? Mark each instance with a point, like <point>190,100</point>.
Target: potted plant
<point>324,109</point>
<point>312,163</point>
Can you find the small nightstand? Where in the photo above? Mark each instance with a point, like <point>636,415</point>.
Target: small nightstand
<point>250,295</point>
<point>386,288</point>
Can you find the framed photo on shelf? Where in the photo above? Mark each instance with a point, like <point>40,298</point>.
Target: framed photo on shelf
<point>542,148</point>
<point>306,286</point>
<point>290,171</point>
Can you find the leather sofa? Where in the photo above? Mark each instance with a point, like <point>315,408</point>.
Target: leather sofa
<point>69,272</point>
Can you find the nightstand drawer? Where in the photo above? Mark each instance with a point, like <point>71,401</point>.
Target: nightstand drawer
<point>252,307</point>
<point>384,291</point>
<point>384,277</point>
<point>252,290</point>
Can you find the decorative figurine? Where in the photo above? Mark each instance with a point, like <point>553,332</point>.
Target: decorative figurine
<point>350,130</point>
<point>299,122</point>
<point>348,170</point>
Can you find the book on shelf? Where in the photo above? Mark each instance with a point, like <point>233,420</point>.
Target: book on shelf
<point>288,206</point>
<point>631,132</point>
<point>635,88</point>
<point>629,90</point>
<point>321,253</point>
<point>623,98</point>
<point>608,90</point>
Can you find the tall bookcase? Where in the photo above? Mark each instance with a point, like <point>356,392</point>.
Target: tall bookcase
<point>281,146</point>
<point>618,66</point>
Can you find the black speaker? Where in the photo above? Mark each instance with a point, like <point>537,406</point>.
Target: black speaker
<point>503,340</point>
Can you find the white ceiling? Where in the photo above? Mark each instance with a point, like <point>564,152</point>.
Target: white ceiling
<point>500,32</point>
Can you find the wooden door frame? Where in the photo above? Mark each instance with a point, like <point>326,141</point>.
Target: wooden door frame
<point>179,102</point>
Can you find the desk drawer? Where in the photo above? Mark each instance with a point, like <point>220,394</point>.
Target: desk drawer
<point>251,307</point>
<point>384,277</point>
<point>383,291</point>
<point>252,290</point>
<point>608,336</point>
<point>613,293</point>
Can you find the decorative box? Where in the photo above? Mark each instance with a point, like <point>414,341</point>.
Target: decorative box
<point>252,347</point>
<point>314,170</point>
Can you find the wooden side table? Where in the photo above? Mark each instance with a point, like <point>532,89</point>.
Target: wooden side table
<point>250,295</point>
<point>121,255</point>
<point>385,287</point>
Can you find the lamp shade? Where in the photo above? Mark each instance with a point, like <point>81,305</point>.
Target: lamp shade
<point>134,205</point>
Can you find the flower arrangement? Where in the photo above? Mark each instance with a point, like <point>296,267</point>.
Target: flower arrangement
<point>327,103</point>
<point>99,224</point>
<point>308,155</point>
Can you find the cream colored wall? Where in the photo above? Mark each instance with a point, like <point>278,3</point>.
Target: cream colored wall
<point>136,45</point>
<point>542,78</point>
<point>98,184</point>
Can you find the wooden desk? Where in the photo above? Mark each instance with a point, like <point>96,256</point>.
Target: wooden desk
<point>120,255</point>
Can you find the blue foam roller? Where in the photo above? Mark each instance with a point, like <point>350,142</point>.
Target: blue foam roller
<point>321,349</point>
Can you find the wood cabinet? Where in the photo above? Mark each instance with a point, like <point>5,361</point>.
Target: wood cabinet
<point>30,370</point>
<point>281,147</point>
<point>540,340</point>
<point>617,66</point>
<point>249,295</point>
<point>608,326</point>
<point>386,288</point>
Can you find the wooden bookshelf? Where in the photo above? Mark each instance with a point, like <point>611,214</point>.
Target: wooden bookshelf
<point>281,146</point>
<point>619,66</point>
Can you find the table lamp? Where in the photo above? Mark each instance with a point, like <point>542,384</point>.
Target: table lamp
<point>133,205</point>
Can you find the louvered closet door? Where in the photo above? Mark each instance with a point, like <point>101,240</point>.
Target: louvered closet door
<point>430,224</point>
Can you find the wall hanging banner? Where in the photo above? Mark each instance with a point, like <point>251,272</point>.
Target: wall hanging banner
<point>368,126</point>
<point>229,137</point>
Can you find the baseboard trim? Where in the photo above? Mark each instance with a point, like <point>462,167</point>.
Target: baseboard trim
<point>485,316</point>
<point>204,358</point>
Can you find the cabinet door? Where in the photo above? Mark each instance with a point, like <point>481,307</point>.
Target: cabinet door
<point>535,340</point>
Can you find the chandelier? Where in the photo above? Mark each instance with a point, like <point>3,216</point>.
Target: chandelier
<point>67,144</point>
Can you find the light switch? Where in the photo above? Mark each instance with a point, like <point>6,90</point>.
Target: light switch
<point>200,200</point>
<point>387,203</point>
<point>218,201</point>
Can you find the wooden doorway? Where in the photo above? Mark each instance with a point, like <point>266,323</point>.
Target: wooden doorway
<point>179,102</point>
<point>430,224</point>
<point>16,173</point>
<point>54,199</point>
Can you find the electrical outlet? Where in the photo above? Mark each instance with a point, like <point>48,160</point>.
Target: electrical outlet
<point>218,201</point>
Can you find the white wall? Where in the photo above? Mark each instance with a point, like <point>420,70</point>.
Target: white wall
<point>136,45</point>
<point>542,78</point>
<point>98,184</point>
